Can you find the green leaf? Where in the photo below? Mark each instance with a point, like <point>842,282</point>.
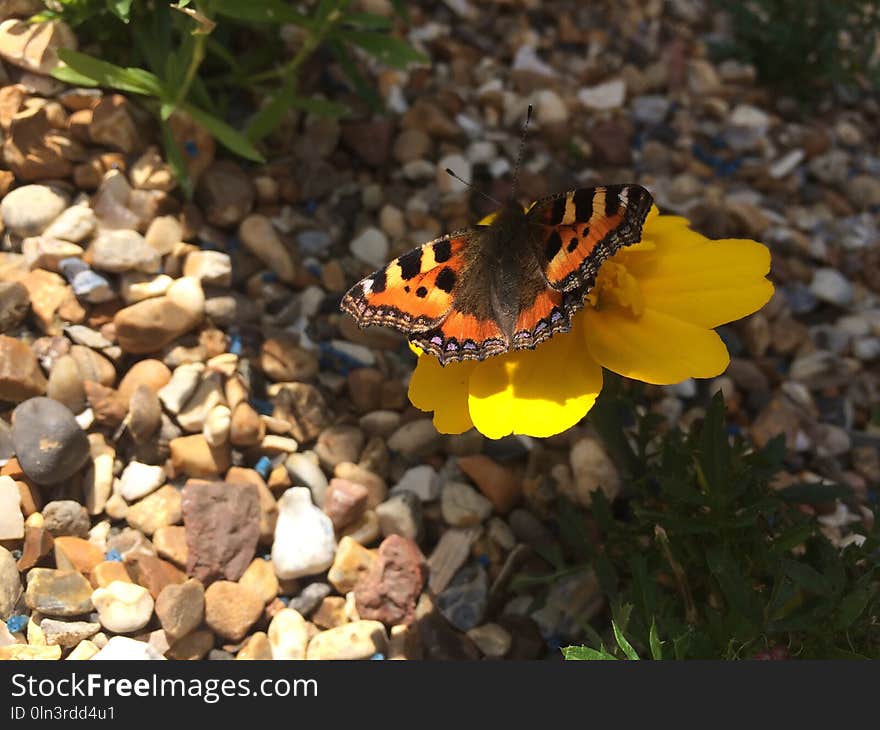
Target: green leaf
<point>266,121</point>
<point>227,136</point>
<point>175,159</point>
<point>368,21</point>
<point>624,645</point>
<point>585,653</point>
<point>714,456</point>
<point>806,577</point>
<point>814,492</point>
<point>166,109</point>
<point>736,587</point>
<point>350,69</point>
<point>90,71</point>
<point>654,641</point>
<point>388,49</point>
<point>607,416</point>
<point>853,604</point>
<point>401,9</point>
<point>319,106</point>
<point>120,8</point>
<point>264,11</point>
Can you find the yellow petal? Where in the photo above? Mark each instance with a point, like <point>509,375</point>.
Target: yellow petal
<point>655,347</point>
<point>443,390</point>
<point>538,392</point>
<point>707,284</point>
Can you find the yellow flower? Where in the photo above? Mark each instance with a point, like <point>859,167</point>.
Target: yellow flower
<point>649,317</point>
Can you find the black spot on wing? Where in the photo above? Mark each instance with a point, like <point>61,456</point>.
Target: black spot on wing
<point>554,243</point>
<point>572,244</point>
<point>583,204</point>
<point>421,292</point>
<point>446,279</point>
<point>379,281</point>
<point>410,264</point>
<point>612,200</point>
<point>442,251</point>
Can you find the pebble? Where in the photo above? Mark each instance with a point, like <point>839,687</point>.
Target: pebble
<point>338,444</point>
<point>377,489</point>
<point>461,505</point>
<point>144,413</point>
<point>125,648</point>
<point>77,553</point>
<point>138,480</point>
<point>282,359</point>
<point>160,508</point>
<point>401,515</point>
<point>20,374</point>
<point>491,639</point>
<point>415,439</point>
<point>310,597</point>
<point>288,635</point>
<point>14,305</point>
<point>184,380</point>
<point>180,608</point>
<point>10,583</point>
<point>212,268</point>
<point>571,599</point>
<point>258,235</point>
<point>592,469</point>
<point>256,647</point>
<point>389,590</point>
<point>65,384</point>
<point>28,210</point>
<point>11,518</point>
<point>344,502</point>
<point>66,517</point>
<point>304,540</point>
<point>67,634</point>
<point>463,602</point>
<point>58,592</point>
<point>76,224</point>
<point>123,607</point>
<point>123,250</point>
<point>422,481</point>
<point>304,472</point>
<point>351,562</point>
<point>371,246</point>
<point>170,543</point>
<point>450,553</point>
<point>831,286</point>
<point>603,97</point>
<point>355,640</point>
<point>497,483</point>
<point>260,578</point>
<point>195,457</point>
<point>231,609</point>
<point>222,528</point>
<point>30,652</point>
<point>149,325</point>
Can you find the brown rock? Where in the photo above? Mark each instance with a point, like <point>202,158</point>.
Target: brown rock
<point>65,384</point>
<point>113,125</point>
<point>93,366</point>
<point>497,483</point>
<point>191,647</point>
<point>34,46</point>
<point>225,193</point>
<point>108,407</point>
<point>261,579</point>
<point>149,325</point>
<point>369,140</point>
<point>377,489</point>
<point>14,305</point>
<point>330,613</point>
<point>162,507</point>
<point>52,301</point>
<point>76,553</point>
<point>611,142</point>
<point>222,528</point>
<point>351,562</point>
<point>365,389</point>
<point>153,374</point>
<point>345,502</point>
<point>38,543</point>
<point>246,427</point>
<point>304,408</point>
<point>170,543</point>
<point>181,608</point>
<point>58,592</point>
<point>388,592</point>
<point>153,573</point>
<point>144,413</point>
<point>255,647</point>
<point>20,374</point>
<point>282,359</point>
<point>231,609</point>
<point>104,573</point>
<point>268,505</point>
<point>193,456</point>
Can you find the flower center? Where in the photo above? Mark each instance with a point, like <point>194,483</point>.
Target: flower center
<point>615,286</point>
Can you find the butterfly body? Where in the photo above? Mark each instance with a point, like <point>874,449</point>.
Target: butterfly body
<point>507,285</point>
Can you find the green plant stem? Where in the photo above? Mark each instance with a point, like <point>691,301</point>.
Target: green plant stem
<point>690,610</point>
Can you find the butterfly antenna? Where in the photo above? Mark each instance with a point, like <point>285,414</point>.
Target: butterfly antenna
<point>519,154</point>
<point>462,180</point>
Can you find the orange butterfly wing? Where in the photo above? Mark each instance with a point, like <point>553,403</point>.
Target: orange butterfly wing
<point>413,293</point>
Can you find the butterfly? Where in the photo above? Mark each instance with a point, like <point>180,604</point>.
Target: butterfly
<point>508,285</point>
